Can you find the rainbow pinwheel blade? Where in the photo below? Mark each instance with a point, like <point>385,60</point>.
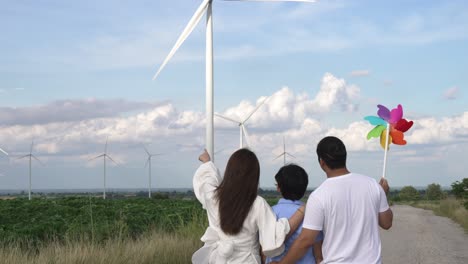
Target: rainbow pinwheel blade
<point>376,121</point>
<point>376,132</point>
<point>397,137</point>
<point>396,114</point>
<point>403,125</point>
<point>383,112</point>
<point>383,138</point>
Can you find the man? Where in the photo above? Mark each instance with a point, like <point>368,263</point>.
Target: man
<point>348,207</point>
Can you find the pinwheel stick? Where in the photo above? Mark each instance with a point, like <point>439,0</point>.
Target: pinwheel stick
<point>386,150</point>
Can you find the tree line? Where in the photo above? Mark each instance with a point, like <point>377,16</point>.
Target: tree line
<point>432,192</point>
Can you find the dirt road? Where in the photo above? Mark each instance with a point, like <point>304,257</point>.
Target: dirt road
<point>419,236</point>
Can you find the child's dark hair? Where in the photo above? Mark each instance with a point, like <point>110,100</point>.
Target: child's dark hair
<point>292,181</point>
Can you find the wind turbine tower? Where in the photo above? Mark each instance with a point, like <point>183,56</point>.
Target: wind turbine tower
<point>30,156</point>
<point>148,163</point>
<point>206,7</point>
<point>104,157</point>
<point>284,154</point>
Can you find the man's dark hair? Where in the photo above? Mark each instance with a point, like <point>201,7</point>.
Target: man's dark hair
<point>333,152</point>
<point>292,181</point>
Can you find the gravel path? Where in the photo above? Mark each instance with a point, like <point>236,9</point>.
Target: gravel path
<point>419,236</point>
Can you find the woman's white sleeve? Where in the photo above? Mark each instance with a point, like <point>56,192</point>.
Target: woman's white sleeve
<point>272,232</point>
<point>205,181</point>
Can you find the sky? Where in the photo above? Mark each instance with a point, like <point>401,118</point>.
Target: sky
<point>76,73</point>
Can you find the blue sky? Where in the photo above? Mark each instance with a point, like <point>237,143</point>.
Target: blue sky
<point>74,73</point>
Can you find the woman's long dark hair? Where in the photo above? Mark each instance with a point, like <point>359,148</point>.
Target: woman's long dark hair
<point>238,190</point>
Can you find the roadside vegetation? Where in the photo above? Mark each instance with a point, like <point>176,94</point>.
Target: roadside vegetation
<point>452,204</point>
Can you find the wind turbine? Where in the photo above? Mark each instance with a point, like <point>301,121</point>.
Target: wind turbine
<point>284,154</point>
<point>242,129</point>
<point>148,163</point>
<point>206,6</point>
<point>30,156</point>
<point>104,156</point>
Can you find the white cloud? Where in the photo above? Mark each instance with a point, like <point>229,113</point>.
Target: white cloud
<point>359,73</point>
<point>69,110</point>
<point>452,93</point>
<point>284,108</point>
<point>445,130</point>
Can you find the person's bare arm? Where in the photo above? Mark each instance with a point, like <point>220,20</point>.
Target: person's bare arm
<point>385,218</point>
<point>295,220</point>
<point>262,256</point>
<point>305,240</point>
<point>318,251</point>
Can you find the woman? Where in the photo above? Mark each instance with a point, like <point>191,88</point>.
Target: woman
<point>239,220</point>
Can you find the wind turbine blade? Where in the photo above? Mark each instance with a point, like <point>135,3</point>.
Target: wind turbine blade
<point>187,30</point>
<point>290,155</point>
<point>256,108</point>
<point>105,147</point>
<point>22,157</point>
<point>4,151</point>
<point>279,156</point>
<point>147,152</point>
<point>38,160</point>
<point>228,118</point>
<point>112,159</point>
<point>147,161</point>
<point>96,157</point>
<point>219,151</point>
<point>246,135</point>
<point>32,143</point>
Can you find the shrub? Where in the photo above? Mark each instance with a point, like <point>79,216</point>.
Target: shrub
<point>460,189</point>
<point>409,193</point>
<point>434,192</point>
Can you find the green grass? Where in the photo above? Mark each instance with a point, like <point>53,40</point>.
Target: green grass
<point>451,208</point>
<point>84,230</point>
<point>84,218</point>
<point>154,247</point>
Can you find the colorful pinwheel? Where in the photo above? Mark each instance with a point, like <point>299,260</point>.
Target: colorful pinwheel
<point>389,119</point>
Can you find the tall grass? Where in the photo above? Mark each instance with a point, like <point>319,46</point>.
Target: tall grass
<point>449,207</point>
<point>170,241</point>
<point>157,246</point>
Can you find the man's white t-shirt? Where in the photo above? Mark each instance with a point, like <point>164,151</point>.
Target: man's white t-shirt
<point>346,208</point>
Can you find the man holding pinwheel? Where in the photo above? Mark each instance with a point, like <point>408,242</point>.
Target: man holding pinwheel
<point>348,207</point>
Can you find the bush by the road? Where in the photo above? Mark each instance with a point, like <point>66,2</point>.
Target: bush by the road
<point>434,192</point>
<point>409,193</point>
<point>460,189</point>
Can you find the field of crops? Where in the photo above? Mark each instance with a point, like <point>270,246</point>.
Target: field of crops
<point>95,219</point>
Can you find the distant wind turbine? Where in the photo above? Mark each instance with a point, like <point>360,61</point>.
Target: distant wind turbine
<point>242,129</point>
<point>284,154</point>
<point>30,156</point>
<point>104,156</point>
<point>206,6</point>
<point>148,163</point>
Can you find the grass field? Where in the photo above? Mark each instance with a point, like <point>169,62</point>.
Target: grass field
<point>451,208</point>
<point>92,230</point>
<point>154,247</point>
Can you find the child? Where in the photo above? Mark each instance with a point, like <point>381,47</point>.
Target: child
<point>291,182</point>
